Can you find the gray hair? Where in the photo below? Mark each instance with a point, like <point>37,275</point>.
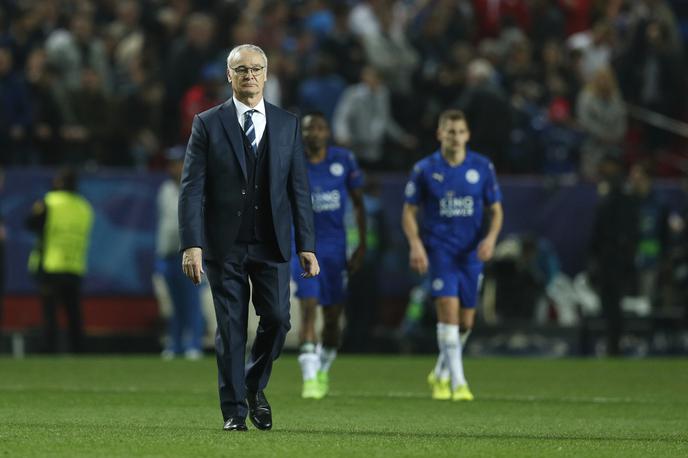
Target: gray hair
<point>246,47</point>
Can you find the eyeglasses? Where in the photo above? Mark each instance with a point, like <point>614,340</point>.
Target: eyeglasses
<point>243,71</point>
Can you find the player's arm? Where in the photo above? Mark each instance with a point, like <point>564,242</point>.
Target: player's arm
<point>486,247</point>
<point>359,213</point>
<point>418,258</point>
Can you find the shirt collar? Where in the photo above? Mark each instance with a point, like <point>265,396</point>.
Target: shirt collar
<point>242,108</point>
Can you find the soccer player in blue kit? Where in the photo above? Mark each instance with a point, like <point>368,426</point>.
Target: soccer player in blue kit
<point>334,176</point>
<point>454,187</point>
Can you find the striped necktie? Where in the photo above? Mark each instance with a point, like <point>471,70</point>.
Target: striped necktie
<point>250,130</point>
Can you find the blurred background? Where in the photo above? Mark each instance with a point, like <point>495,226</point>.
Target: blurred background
<point>580,104</point>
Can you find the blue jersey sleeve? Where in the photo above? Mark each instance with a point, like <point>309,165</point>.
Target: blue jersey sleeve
<point>491,191</point>
<point>354,177</point>
<point>415,187</point>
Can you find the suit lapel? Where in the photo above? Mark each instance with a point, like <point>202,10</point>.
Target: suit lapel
<point>231,126</point>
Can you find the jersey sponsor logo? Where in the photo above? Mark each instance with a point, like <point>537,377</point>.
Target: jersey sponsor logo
<point>437,284</point>
<point>472,176</point>
<point>410,190</point>
<point>438,176</point>
<point>451,206</point>
<point>326,201</point>
<point>337,169</point>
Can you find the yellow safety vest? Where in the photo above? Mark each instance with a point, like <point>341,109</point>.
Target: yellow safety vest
<point>68,223</point>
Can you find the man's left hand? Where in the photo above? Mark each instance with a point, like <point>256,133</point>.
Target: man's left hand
<point>309,264</point>
<point>486,249</point>
<point>357,259</point>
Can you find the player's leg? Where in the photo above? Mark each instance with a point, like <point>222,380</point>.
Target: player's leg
<point>308,356</point>
<point>333,279</point>
<point>469,278</point>
<point>448,337</point>
<point>466,322</point>
<point>469,287</point>
<point>307,294</point>
<point>443,289</point>
<point>331,335</point>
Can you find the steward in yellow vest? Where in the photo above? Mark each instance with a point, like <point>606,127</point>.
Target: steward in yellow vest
<point>63,221</point>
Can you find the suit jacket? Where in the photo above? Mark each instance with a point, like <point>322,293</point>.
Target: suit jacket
<point>213,184</point>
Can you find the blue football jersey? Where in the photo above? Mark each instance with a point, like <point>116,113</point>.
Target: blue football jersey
<point>452,200</point>
<point>331,180</point>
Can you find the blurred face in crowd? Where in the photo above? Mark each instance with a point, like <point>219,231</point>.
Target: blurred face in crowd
<point>200,30</point>
<point>35,65</point>
<point>247,73</point>
<point>639,180</point>
<point>90,80</point>
<point>82,29</point>
<point>5,61</point>
<point>604,83</point>
<point>370,77</point>
<point>453,136</point>
<point>315,132</point>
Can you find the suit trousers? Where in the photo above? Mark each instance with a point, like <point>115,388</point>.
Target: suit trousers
<point>269,290</point>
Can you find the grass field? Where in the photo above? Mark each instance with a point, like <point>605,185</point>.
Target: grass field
<point>379,406</point>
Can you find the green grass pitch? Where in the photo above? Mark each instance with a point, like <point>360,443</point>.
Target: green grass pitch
<point>379,406</point>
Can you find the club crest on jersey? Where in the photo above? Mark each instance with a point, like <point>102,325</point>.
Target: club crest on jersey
<point>437,284</point>
<point>472,176</point>
<point>438,176</point>
<point>337,169</point>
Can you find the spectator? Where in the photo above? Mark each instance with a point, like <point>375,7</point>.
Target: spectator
<point>15,117</point>
<point>185,61</point>
<point>651,75</point>
<point>88,131</point>
<point>202,96</point>
<point>140,119</point>
<point>343,46</point>
<point>363,119</point>
<point>46,145</point>
<point>70,51</point>
<point>391,55</point>
<point>322,90</point>
<point>560,141</point>
<point>601,114</point>
<point>653,231</point>
<point>613,245</point>
<point>488,111</point>
<point>596,47</point>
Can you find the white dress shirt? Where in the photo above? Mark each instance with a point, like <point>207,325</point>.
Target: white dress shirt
<point>258,117</point>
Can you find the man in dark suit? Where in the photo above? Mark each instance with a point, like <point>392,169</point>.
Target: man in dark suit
<point>243,186</point>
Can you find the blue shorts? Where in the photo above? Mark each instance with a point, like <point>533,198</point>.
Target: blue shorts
<point>455,276</point>
<point>329,287</point>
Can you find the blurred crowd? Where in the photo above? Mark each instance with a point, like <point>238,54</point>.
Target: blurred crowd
<point>545,83</point>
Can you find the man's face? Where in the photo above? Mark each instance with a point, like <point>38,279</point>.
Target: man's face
<point>453,135</point>
<point>247,74</point>
<point>315,132</point>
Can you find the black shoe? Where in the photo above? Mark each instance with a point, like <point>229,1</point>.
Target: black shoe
<point>235,424</point>
<point>259,411</point>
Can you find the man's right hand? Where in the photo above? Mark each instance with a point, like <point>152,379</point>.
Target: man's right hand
<point>418,258</point>
<point>192,264</point>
